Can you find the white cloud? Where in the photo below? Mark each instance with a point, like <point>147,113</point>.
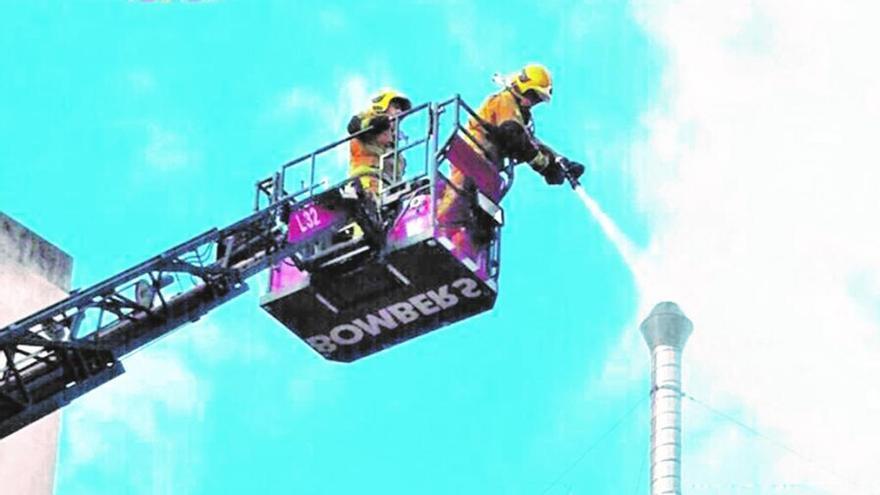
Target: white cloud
<point>333,19</point>
<point>310,383</point>
<point>168,150</point>
<point>299,99</point>
<point>760,178</point>
<point>351,97</point>
<point>328,115</point>
<point>212,343</point>
<point>141,81</point>
<point>153,384</point>
<point>159,382</point>
<point>354,93</point>
<point>482,44</point>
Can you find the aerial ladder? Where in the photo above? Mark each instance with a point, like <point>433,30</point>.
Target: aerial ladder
<point>413,267</point>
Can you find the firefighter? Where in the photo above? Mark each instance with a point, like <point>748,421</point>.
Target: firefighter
<point>508,131</point>
<point>367,149</point>
<point>504,130</point>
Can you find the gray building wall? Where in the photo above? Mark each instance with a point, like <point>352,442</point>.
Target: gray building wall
<point>33,274</point>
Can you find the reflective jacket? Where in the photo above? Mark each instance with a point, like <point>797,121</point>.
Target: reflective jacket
<point>365,154</point>
<point>495,110</point>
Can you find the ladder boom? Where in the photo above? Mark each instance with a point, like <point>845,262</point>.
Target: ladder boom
<point>65,350</point>
<point>61,352</point>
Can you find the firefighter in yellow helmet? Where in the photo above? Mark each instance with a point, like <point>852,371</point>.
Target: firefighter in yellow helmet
<point>378,139</point>
<point>508,131</point>
<point>505,130</point>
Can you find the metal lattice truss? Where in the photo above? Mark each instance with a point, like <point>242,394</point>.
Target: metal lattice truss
<point>71,347</point>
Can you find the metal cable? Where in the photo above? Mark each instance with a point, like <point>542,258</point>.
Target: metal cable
<point>778,443</point>
<point>645,457</point>
<point>596,442</point>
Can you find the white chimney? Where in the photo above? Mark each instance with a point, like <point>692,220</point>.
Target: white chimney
<point>666,330</point>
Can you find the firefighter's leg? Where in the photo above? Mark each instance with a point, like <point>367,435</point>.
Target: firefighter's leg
<point>366,186</point>
<point>453,211</point>
<point>367,217</point>
<point>369,184</point>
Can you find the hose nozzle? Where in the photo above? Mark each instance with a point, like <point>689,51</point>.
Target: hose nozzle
<point>573,171</point>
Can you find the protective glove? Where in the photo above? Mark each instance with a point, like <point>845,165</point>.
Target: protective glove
<point>380,124</point>
<point>553,174</point>
<point>575,169</point>
<point>354,125</point>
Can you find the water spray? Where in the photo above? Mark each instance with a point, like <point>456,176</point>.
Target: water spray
<point>624,246</point>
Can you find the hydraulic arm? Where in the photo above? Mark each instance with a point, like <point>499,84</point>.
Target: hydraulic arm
<point>412,270</point>
<point>71,347</point>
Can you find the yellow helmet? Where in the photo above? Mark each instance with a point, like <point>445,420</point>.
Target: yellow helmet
<point>386,97</point>
<point>534,77</point>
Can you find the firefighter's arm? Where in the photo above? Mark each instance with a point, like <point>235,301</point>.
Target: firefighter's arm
<point>546,164</point>
<point>515,142</point>
<point>402,165</point>
<point>502,121</point>
<point>554,167</point>
<point>377,124</point>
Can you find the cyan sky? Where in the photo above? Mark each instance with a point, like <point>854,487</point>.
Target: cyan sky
<point>129,127</point>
